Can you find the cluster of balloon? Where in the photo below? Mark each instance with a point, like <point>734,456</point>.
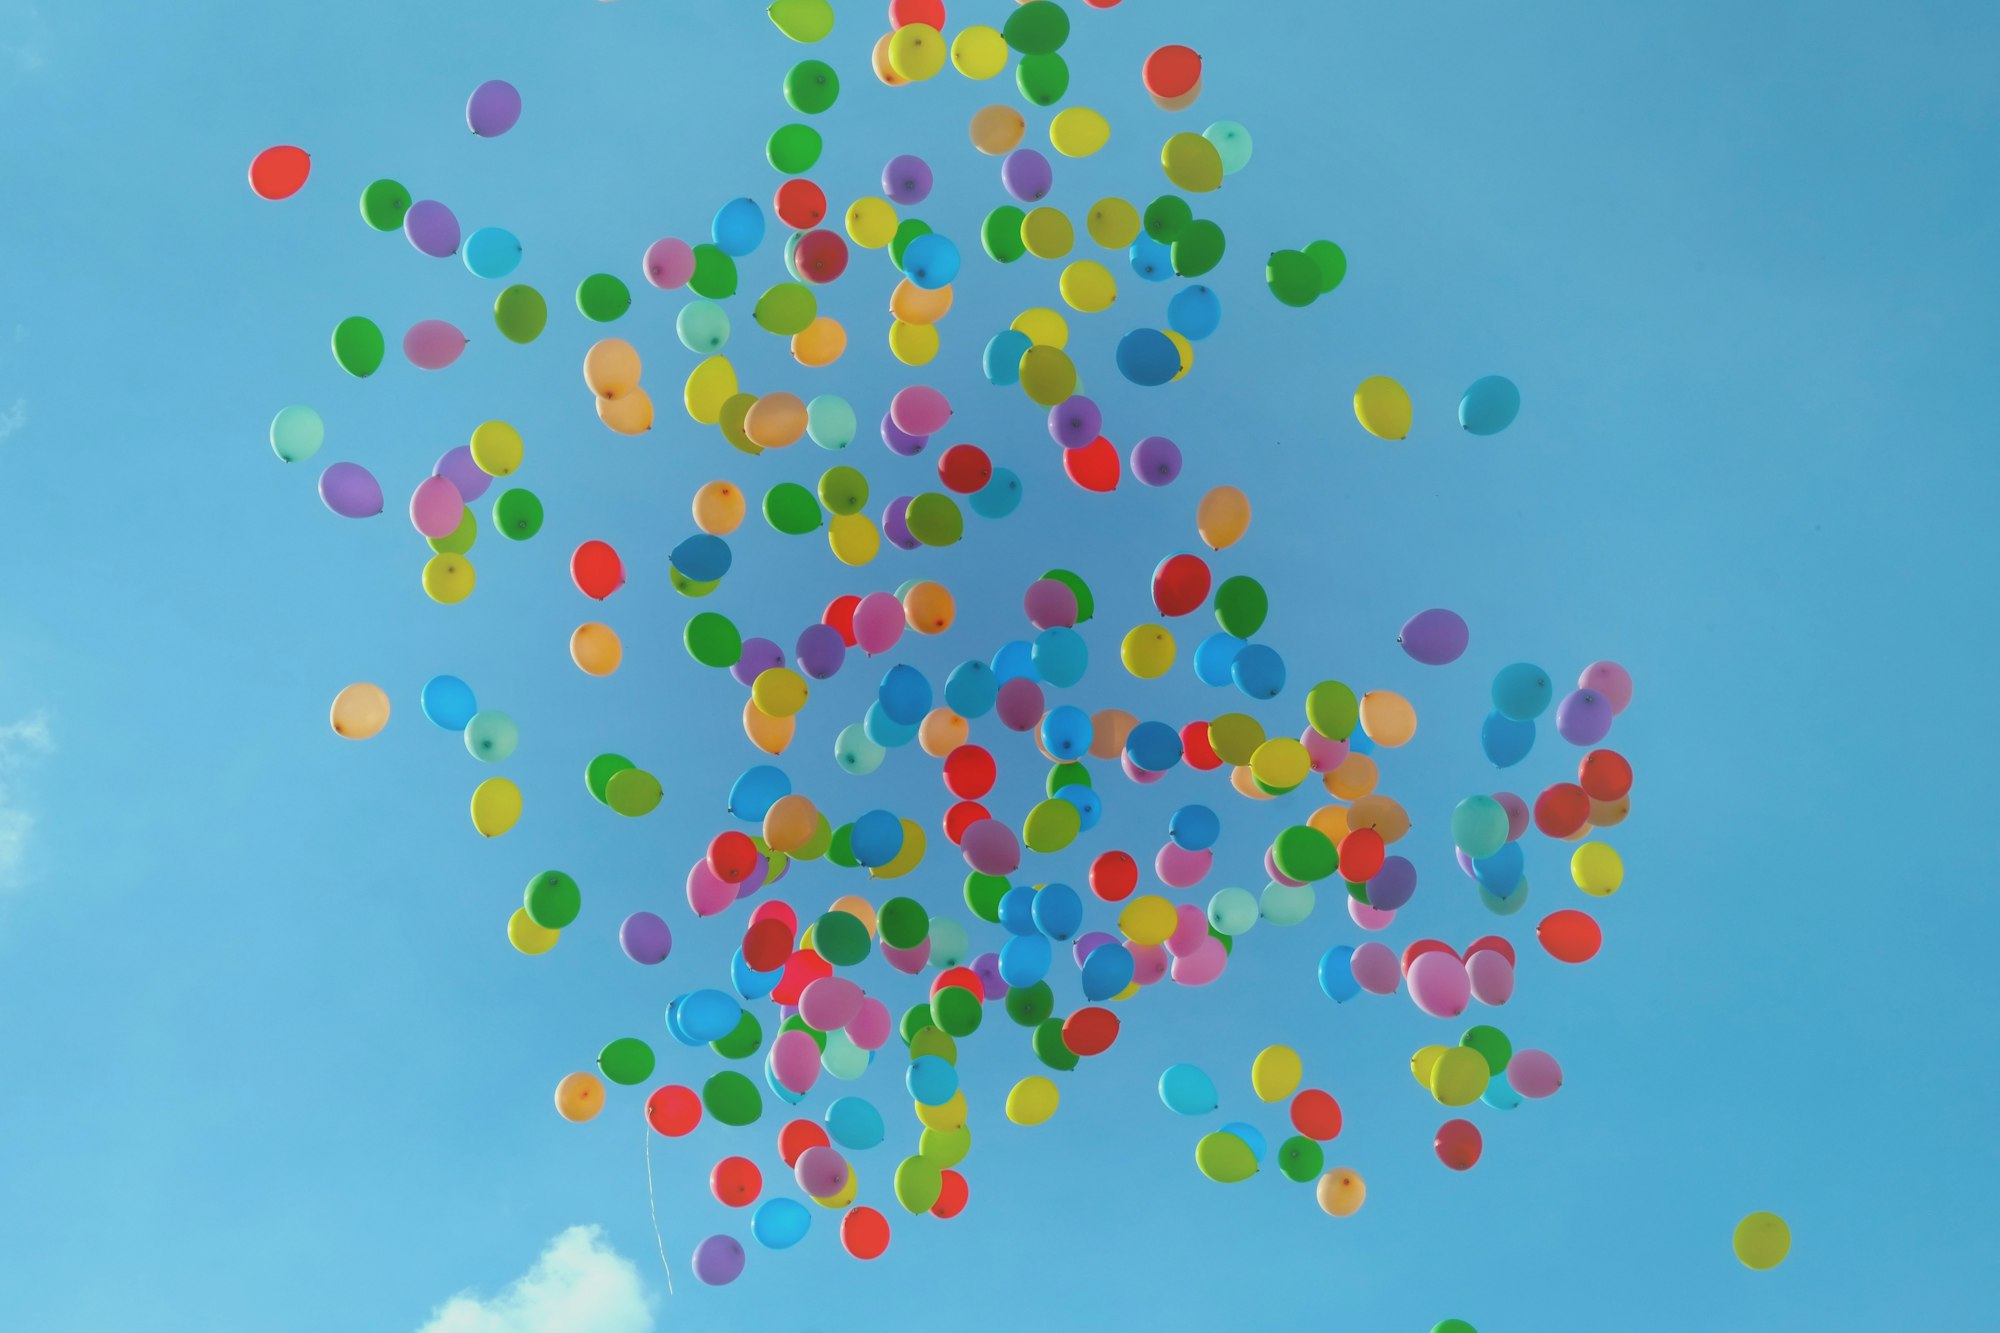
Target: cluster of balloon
<point>828,975</point>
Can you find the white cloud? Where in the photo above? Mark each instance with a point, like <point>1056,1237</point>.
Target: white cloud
<point>579,1285</point>
<point>24,37</point>
<point>18,742</point>
<point>15,417</point>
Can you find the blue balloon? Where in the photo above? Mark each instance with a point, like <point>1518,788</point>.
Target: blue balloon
<point>1058,911</point>
<point>1014,661</point>
<point>1500,872</point>
<point>1489,406</point>
<point>930,261</point>
<point>1522,691</point>
<point>884,730</point>
<point>1061,657</point>
<point>1194,827</point>
<point>1107,970</point>
<point>1017,911</point>
<point>1148,357</point>
<point>875,838</point>
<point>738,227</point>
<point>853,1122</point>
<point>1359,743</point>
<point>971,689</point>
<point>1153,746</point>
<point>779,1090</point>
<point>709,1015</point>
<point>1251,1135</point>
<point>760,787</point>
<point>703,557</point>
<point>1025,959</point>
<point>1213,657</point>
<point>1187,1090</point>
<point>1258,671</point>
<point>751,984</point>
<point>780,1223</point>
<point>1151,259</point>
<point>1002,361</point>
<point>1500,1095</point>
<point>449,702</point>
<point>1336,973</point>
<point>1089,805</point>
<point>999,497</point>
<point>1505,741</point>
<point>674,1028</point>
<point>931,1079</point>
<point>905,695</point>
<point>1195,312</point>
<point>1066,732</point>
<point>491,252</point>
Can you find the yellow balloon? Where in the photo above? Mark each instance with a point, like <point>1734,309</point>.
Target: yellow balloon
<point>853,537</point>
<point>735,412</point>
<point>790,822</point>
<point>496,805</point>
<point>1459,1076</point>
<point>1185,348</point>
<point>528,937</point>
<point>979,52</point>
<point>1192,163</point>
<point>496,448</point>
<point>879,60</point>
<point>1354,778</point>
<point>1088,286</point>
<point>1113,223</point>
<point>359,711</point>
<point>1330,820</point>
<point>770,734</point>
<point>1245,783</point>
<point>596,649</point>
<point>1181,103</point>
<point>1762,1241</point>
<point>1383,408</point>
<point>945,1118</point>
<point>579,1097</point>
<point>448,578</point>
<point>1596,867</point>
<point>1281,762</point>
<point>1148,919</point>
<point>1388,718</point>
<point>778,692</point>
<point>1275,1073</point>
<point>719,508</point>
<point>630,413</point>
<point>820,343</point>
<point>1424,1061</point>
<point>1131,989</point>
<point>709,386</point>
<point>1235,737</point>
<point>611,367</point>
<point>775,420</point>
<point>1044,327</point>
<point>1341,1192</point>
<point>928,608</point>
<point>1032,1101</point>
<point>941,732</point>
<point>846,1193</point>
<point>1047,375</point>
<point>1108,729</point>
<point>1047,233</point>
<point>1148,651</point>
<point>1222,517</point>
<point>1380,813</point>
<point>916,51</point>
<point>913,344</point>
<point>1078,131</point>
<point>919,305</point>
<point>997,130</point>
<point>905,860</point>
<point>871,222</point>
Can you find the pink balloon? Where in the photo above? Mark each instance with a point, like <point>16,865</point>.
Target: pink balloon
<point>1050,603</point>
<point>1149,962</point>
<point>1439,985</point>
<point>708,893</point>
<point>1375,968</point>
<point>990,847</point>
<point>1136,773</point>
<point>436,507</point>
<point>830,1002</point>
<point>919,410</point>
<point>1020,705</point>
<point>1517,813</point>
<point>795,1062</point>
<point>1191,929</point>
<point>1202,966</point>
<point>432,344</point>
<point>871,1026</point>
<point>1325,752</point>
<point>878,622</point>
<point>908,961</point>
<point>1179,868</point>
<point>1609,679</point>
<point>1366,917</point>
<point>669,263</point>
<point>1271,870</point>
<point>821,1171</point>
<point>1492,977</point>
<point>1534,1074</point>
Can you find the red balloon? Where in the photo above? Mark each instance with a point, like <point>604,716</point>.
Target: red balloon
<point>1361,855</point>
<point>840,614</point>
<point>1180,584</point>
<point>951,1199</point>
<point>1570,936</point>
<point>1458,1144</point>
<point>1195,748</point>
<point>766,945</point>
<point>969,772</point>
<point>903,12</point>
<point>597,570</point>
<point>1113,876</point>
<point>1604,775</point>
<point>1090,1031</point>
<point>732,856</point>
<point>776,909</point>
<point>962,816</point>
<point>1316,1115</point>
<point>1171,71</point>
<point>864,1233</point>
<point>964,468</point>
<point>736,1181</point>
<point>1418,948</point>
<point>278,173</point>
<point>1562,809</point>
<point>799,1135</point>
<point>962,977</point>
<point>821,256</point>
<point>1493,942</point>
<point>673,1110</point>
<point>800,204</point>
<point>802,969</point>
<point>1095,467</point>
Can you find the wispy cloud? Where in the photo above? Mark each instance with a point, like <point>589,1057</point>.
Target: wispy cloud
<point>13,419</point>
<point>19,742</point>
<point>579,1285</point>
<point>24,37</point>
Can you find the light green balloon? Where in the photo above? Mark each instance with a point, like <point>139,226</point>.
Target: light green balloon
<point>633,792</point>
<point>1051,825</point>
<point>1224,1157</point>
<point>949,945</point>
<point>520,313</point>
<point>297,433</point>
<point>842,1058</point>
<point>1286,904</point>
<point>858,755</point>
<point>831,422</point>
<point>1232,911</point>
<point>935,519</point>
<point>1232,141</point>
<point>946,1147</point>
<point>802,20</point>
<point>601,770</point>
<point>843,490</point>
<point>919,1183</point>
<point>786,308</point>
<point>688,587</point>
<point>703,327</point>
<point>491,735</point>
<point>1333,710</point>
<point>461,537</point>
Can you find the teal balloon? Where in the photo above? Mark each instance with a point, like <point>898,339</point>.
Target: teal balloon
<point>1002,359</point>
<point>780,1223</point>
<point>855,752</point>
<point>831,422</point>
<point>1479,826</point>
<point>853,1122</point>
<point>1187,1090</point>
<point>1489,406</point>
<point>1522,691</point>
<point>491,252</point>
<point>297,433</point>
<point>703,327</point>
<point>999,497</point>
<point>1232,145</point>
<point>491,735</point>
<point>884,730</point>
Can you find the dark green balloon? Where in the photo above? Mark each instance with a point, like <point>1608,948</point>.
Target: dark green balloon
<point>811,87</point>
<point>786,308</point>
<point>1292,277</point>
<point>552,899</point>
<point>791,509</point>
<point>357,346</point>
<point>1042,79</point>
<point>906,231</point>
<point>935,519</point>
<point>1241,605</point>
<point>520,314</point>
<point>1166,218</point>
<point>713,640</point>
<point>383,204</point>
<point>1198,248</point>
<point>743,1042</point>
<point>840,938</point>
<point>603,298</point>
<point>1331,261</point>
<point>956,1010</point>
<point>1358,892</point>
<point>841,850</point>
<point>714,273</point>
<point>1303,853</point>
<point>1049,1046</point>
<point>843,490</point>
<point>627,1060</point>
<point>903,923</point>
<point>732,1098</point>
<point>1037,28</point>
<point>1228,941</point>
<point>1301,1159</point>
<point>1066,775</point>
<point>915,1019</point>
<point>1086,605</point>
<point>1030,1005</point>
<point>797,1024</point>
<point>1000,234</point>
<point>518,514</point>
<point>983,894</point>
<point>1492,1043</point>
<point>793,148</point>
<point>597,774</point>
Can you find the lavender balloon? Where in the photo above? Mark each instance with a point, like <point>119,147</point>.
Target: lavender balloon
<point>1394,884</point>
<point>1027,176</point>
<point>759,656</point>
<point>1075,422</point>
<point>1584,717</point>
<point>1088,941</point>
<point>987,968</point>
<point>432,228</point>
<point>907,179</point>
<point>493,108</point>
<point>350,490</point>
<point>1156,461</point>
<point>457,467</point>
<point>896,524</point>
<point>718,1261</point>
<point>1435,637</point>
<point>432,344</point>
<point>820,651</point>
<point>645,938</point>
<point>901,441</point>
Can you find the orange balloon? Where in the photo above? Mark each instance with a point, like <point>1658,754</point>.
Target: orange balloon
<point>790,822</point>
<point>579,1097</point>
<point>928,608</point>
<point>1381,813</point>
<point>1388,718</point>
<point>1609,814</point>
<point>775,420</point>
<point>770,734</point>
<point>887,73</point>
<point>941,732</point>
<point>1342,1192</point>
<point>611,367</point>
<point>719,508</point>
<point>1353,778</point>
<point>1108,730</point>
<point>997,130</point>
<point>630,413</point>
<point>820,343</point>
<point>596,649</point>
<point>1332,821</point>
<point>919,305</point>
<point>1241,778</point>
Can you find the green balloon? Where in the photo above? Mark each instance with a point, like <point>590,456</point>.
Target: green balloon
<point>1224,1157</point>
<point>935,519</point>
<point>1166,218</point>
<point>1030,1006</point>
<point>915,1019</point>
<point>1197,249</point>
<point>687,587</point>
<point>714,273</point>
<point>906,231</point>
<point>791,509</point>
<point>802,20</point>
<point>786,308</point>
<point>1066,775</point>
<point>743,1042</point>
<point>1333,710</point>
<point>841,850</point>
<point>357,346</point>
<point>919,1183</point>
<point>1050,1048</point>
<point>793,148</point>
<point>1086,605</point>
<point>735,411</point>
<point>811,87</point>
<point>983,894</point>
<point>1051,825</point>
<point>1358,892</point>
<point>627,1060</point>
<point>462,537</point>
<point>956,1010</point>
<point>933,1040</point>
<point>1000,234</point>
<point>1241,605</point>
<point>520,314</point>
<point>632,792</point>
<point>713,640</point>
<point>732,1098</point>
<point>518,514</point>
<point>1332,262</point>
<point>840,938</point>
<point>552,900</point>
<point>1492,1043</point>
<point>903,923</point>
<point>1037,28</point>
<point>597,774</point>
<point>843,490</point>
<point>602,297</point>
<point>1453,1326</point>
<point>1042,79</point>
<point>703,328</point>
<point>946,1147</point>
<point>1301,1159</point>
<point>1303,853</point>
<point>383,204</point>
<point>1228,941</point>
<point>797,1024</point>
<point>1292,277</point>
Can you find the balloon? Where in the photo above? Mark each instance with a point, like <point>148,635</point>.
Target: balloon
<point>1026,174</point>
<point>1171,72</point>
<point>1383,408</point>
<point>1147,651</point>
<point>1489,406</point>
<point>1435,638</point>
<point>1761,1241</point>
<point>780,1223</point>
<point>1341,1192</point>
<point>1570,936</point>
<point>1610,680</point>
<point>1224,1157</point>
<point>1596,868</point>
<point>280,172</point>
<point>1584,717</point>
<point>431,228</point>
<point>596,649</point>
<point>1156,461</point>
<point>864,1233</point>
<point>383,204</point>
<point>1046,233</point>
<point>579,1097</point>
<point>1439,985</point>
<point>1032,1101</point>
<point>1147,357</point>
<point>1232,142</point>
<point>496,806</point>
<point>357,346</point>
<point>1078,131</point>
<point>1457,1144</point>
<point>1192,163</point>
<point>1292,276</point>
<point>1088,286</point>
<point>520,313</point>
<point>1331,261</point>
<point>297,433</point>
<point>1275,1073</point>
<point>978,52</point>
<point>1534,1074</point>
<point>360,711</point>
<point>1222,517</point>
<point>1042,78</point>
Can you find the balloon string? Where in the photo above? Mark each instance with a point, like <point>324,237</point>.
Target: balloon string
<point>654,1208</point>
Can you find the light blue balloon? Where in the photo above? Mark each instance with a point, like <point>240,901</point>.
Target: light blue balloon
<point>971,689</point>
<point>1489,406</point>
<point>1107,970</point>
<point>1513,901</point>
<point>1479,826</point>
<point>856,752</point>
<point>1522,691</point>
<point>949,945</point>
<point>1002,360</point>
<point>751,984</point>
<point>1058,911</point>
<point>1502,871</point>
<point>1500,1095</point>
<point>1214,656</point>
<point>1359,743</point>
<point>491,252</point>
<point>1194,828</point>
<point>1286,904</point>
<point>1147,357</point>
<point>1017,910</point>
<point>703,557</point>
<point>932,1080</point>
<point>779,1090</point>
<point>1061,657</point>
<point>1152,260</point>
<point>930,261</point>
<point>1336,974</point>
<point>1025,959</point>
<point>297,433</point>
<point>703,327</point>
<point>674,1028</point>
<point>905,694</point>
<point>1258,671</point>
<point>1089,805</point>
<point>738,227</point>
<point>884,730</point>
<point>1015,661</point>
<point>1233,911</point>
<point>1195,312</point>
<point>709,1015</point>
<point>449,702</point>
<point>1232,145</point>
<point>999,497</point>
<point>854,1123</point>
<point>1153,746</point>
<point>780,1223</point>
<point>1066,732</point>
<point>831,422</point>
<point>756,790</point>
<point>491,735</point>
<point>875,838</point>
<point>1505,741</point>
<point>842,1058</point>
<point>1251,1135</point>
<point>1188,1090</point>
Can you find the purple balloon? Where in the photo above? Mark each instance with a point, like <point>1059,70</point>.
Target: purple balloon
<point>645,938</point>
<point>350,490</point>
<point>493,108</point>
<point>907,179</point>
<point>901,441</point>
<point>432,228</point>
<point>1019,706</point>
<point>896,524</point>
<point>1075,422</point>
<point>1394,884</point>
<point>1156,461</point>
<point>1027,175</point>
<point>987,968</point>
<point>759,656</point>
<point>718,1261</point>
<point>820,651</point>
<point>1435,637</point>
<point>1050,604</point>
<point>990,847</point>
<point>1084,943</point>
<point>457,467</point>
<point>753,881</point>
<point>1584,717</point>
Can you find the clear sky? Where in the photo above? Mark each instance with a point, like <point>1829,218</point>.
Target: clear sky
<point>270,1063</point>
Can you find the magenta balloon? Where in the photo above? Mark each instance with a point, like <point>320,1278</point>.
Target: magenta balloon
<point>1584,717</point>
<point>1050,604</point>
<point>1203,965</point>
<point>645,938</point>
<point>718,1261</point>
<point>900,441</point>
<point>759,656</point>
<point>707,892</point>
<point>1492,977</point>
<point>1149,962</point>
<point>493,108</point>
<point>1190,929</point>
<point>1609,679</point>
<point>669,263</point>
<point>1517,813</point>
<point>1156,461</point>
<point>907,179</point>
<point>1375,968</point>
<point>990,847</point>
<point>1019,706</point>
<point>1027,175</point>
<point>1139,775</point>
<point>1272,872</point>
<point>1325,752</point>
<point>1081,946</point>
<point>987,968</point>
<point>436,507</point>
<point>896,524</point>
<point>820,1170</point>
<point>432,344</point>
<point>795,1062</point>
<point>1179,868</point>
<point>1075,422</point>
<point>1435,637</point>
<point>1534,1074</point>
<point>919,410</point>
<point>872,1025</point>
<point>432,228</point>
<point>830,1002</point>
<point>350,490</point>
<point>1394,884</point>
<point>1438,984</point>
<point>1366,917</point>
<point>820,650</point>
<point>878,623</point>
<point>457,466</point>
<point>908,961</point>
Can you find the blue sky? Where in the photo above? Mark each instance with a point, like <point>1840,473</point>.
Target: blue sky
<point>271,1063</point>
